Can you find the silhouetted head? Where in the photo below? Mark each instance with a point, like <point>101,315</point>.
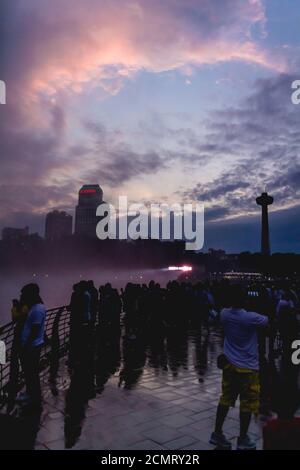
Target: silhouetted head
<point>30,295</point>
<point>82,286</point>
<point>237,296</point>
<point>175,285</point>
<point>76,287</point>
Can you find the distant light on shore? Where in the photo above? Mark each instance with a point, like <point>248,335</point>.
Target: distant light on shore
<point>180,268</point>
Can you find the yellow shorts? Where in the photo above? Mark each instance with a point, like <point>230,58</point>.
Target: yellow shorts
<point>243,383</point>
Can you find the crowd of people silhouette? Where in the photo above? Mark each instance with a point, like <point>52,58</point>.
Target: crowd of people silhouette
<point>112,330</point>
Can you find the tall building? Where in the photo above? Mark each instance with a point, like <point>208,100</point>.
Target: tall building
<point>58,225</point>
<point>11,233</point>
<point>264,201</point>
<point>90,197</point>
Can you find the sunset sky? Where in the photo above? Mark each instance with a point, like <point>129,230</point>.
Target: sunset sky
<point>159,100</point>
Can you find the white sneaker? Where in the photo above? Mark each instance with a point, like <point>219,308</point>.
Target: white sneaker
<point>219,440</point>
<point>245,443</point>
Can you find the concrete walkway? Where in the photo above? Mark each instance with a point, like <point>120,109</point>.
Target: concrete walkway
<point>152,395</point>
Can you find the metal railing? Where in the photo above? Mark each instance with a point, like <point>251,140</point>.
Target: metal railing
<point>57,329</point>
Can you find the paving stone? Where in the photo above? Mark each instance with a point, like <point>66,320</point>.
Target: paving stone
<point>147,444</point>
<point>204,414</point>
<point>199,445</point>
<point>162,434</point>
<point>201,424</point>
<point>176,421</point>
<point>148,425</point>
<point>180,443</point>
<point>51,432</point>
<point>59,444</point>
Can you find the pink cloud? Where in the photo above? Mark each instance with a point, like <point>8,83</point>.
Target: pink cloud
<point>65,44</point>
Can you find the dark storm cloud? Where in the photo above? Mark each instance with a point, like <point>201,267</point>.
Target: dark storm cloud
<point>25,157</point>
<point>125,164</point>
<point>116,162</point>
<point>28,158</point>
<point>225,185</point>
<point>19,203</point>
<point>265,147</point>
<point>216,212</point>
<point>32,126</point>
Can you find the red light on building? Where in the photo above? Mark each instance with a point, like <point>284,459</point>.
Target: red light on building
<point>88,191</point>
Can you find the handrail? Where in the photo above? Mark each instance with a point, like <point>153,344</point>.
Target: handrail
<point>57,328</point>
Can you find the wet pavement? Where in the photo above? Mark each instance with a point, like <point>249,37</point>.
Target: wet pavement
<point>149,393</point>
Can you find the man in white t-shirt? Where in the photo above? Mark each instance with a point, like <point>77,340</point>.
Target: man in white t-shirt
<point>241,368</point>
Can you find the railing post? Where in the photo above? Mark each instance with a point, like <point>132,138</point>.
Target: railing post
<point>55,346</point>
<point>14,372</point>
